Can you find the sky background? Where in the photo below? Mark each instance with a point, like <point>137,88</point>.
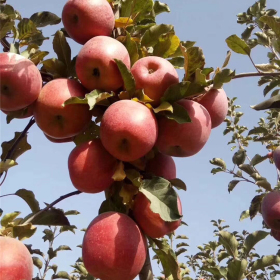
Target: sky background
<point>44,169</point>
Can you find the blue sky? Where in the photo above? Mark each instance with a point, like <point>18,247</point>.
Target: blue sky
<point>44,170</point>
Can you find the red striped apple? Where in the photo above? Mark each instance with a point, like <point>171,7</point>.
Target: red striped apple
<point>85,19</point>
<point>184,140</point>
<point>95,65</point>
<point>128,130</point>
<point>114,248</point>
<point>15,260</point>
<point>55,120</point>
<point>21,82</point>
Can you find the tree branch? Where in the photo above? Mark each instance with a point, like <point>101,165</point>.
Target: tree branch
<point>5,44</point>
<point>52,204</point>
<point>244,75</point>
<point>146,273</point>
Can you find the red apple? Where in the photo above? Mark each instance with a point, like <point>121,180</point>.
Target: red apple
<point>154,75</point>
<point>85,19</point>
<point>95,65</point>
<point>22,113</point>
<point>184,140</point>
<point>128,130</point>
<point>21,82</point>
<point>91,167</point>
<point>151,223</point>
<point>276,157</point>
<point>216,103</point>
<point>54,140</point>
<point>270,209</point>
<point>55,120</point>
<point>275,234</point>
<point>163,166</point>
<point>114,248</point>
<point>15,260</point>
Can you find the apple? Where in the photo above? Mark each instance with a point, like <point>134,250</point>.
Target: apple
<point>95,65</point>
<point>63,140</point>
<point>216,103</point>
<point>85,19</point>
<point>155,75</point>
<point>151,223</point>
<point>26,112</point>
<point>128,130</point>
<point>276,157</point>
<point>15,260</point>
<point>270,209</point>
<point>21,82</point>
<point>163,166</point>
<point>91,167</point>
<point>113,247</point>
<point>184,140</point>
<point>55,120</point>
<point>275,234</point>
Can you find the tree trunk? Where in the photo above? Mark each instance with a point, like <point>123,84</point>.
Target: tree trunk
<point>146,273</point>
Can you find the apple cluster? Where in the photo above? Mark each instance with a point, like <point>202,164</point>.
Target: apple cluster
<point>114,246</point>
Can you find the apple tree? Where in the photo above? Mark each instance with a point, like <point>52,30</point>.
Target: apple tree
<point>120,101</point>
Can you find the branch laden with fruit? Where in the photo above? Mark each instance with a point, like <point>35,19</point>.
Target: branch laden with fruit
<point>121,102</point>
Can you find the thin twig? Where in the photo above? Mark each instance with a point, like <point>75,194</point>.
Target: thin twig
<point>146,273</point>
<point>6,172</point>
<point>5,44</point>
<point>51,205</point>
<point>244,75</point>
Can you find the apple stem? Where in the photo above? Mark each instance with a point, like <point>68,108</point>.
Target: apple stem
<point>146,273</point>
<point>5,44</point>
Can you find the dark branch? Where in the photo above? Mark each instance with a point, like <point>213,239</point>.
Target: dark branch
<point>5,44</point>
<point>146,273</point>
<point>52,204</point>
<point>244,75</point>
<point>46,77</point>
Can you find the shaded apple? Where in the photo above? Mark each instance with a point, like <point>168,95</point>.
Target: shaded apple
<point>184,140</point>
<point>95,65</point>
<point>128,130</point>
<point>85,19</point>
<point>216,103</point>
<point>155,75</point>
<point>275,234</point>
<point>276,157</point>
<point>151,223</point>
<point>270,209</point>
<point>91,167</point>
<point>21,82</point>
<point>114,248</point>
<point>26,112</point>
<point>15,260</point>
<point>55,120</point>
<point>163,166</point>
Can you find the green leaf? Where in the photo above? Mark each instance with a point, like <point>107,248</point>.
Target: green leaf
<point>71,212</point>
<point>249,169</point>
<point>230,243</point>
<point>37,262</point>
<point>181,237</point>
<point>239,157</point>
<point>160,8</point>
<point>132,48</point>
<point>51,217</point>
<point>257,159</point>
<point>180,114</point>
<point>272,23</point>
<point>92,132</point>
<point>227,59</point>
<point>264,184</point>
<point>8,15</point>
<point>21,147</point>
<point>186,45</point>
<point>163,198</point>
<point>164,106</point>
<point>252,239</point>
<point>232,185</point>
<point>178,184</point>
<point>177,62</point>
<point>61,275</point>
<point>237,269</point>
<point>62,48</point>
<point>182,90</point>
<point>23,231</point>
<point>238,45</point>
<point>129,82</point>
<point>63,248</point>
<point>244,215</point>
<point>222,77</point>
<point>167,45</point>
<point>265,262</point>
<point>55,67</point>
<point>272,103</point>
<point>37,57</point>
<point>258,130</point>
<point>134,177</point>
<point>67,228</point>
<point>29,198</point>
<point>247,32</point>
<point>48,235</point>
<point>219,162</point>
<point>27,29</point>
<point>255,205</point>
<point>43,19</point>
<point>8,218</point>
<point>6,165</point>
<point>152,35</point>
<point>263,39</point>
<point>53,267</point>
<point>215,271</point>
<point>222,255</point>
